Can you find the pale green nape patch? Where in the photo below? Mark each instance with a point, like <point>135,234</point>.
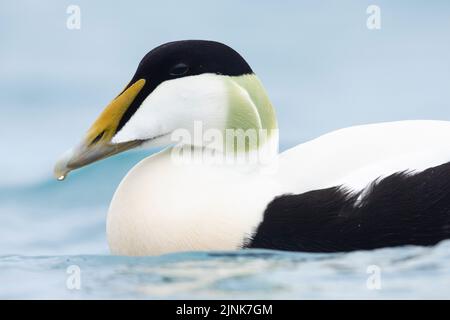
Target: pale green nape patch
<point>242,111</point>
<point>249,106</point>
<point>255,89</point>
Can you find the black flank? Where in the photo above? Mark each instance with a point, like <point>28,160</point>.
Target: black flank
<point>401,209</point>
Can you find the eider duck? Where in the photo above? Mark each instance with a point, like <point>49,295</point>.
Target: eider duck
<point>221,184</point>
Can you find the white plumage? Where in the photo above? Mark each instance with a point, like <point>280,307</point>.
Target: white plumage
<point>160,207</point>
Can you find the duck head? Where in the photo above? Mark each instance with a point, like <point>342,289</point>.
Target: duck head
<point>175,85</point>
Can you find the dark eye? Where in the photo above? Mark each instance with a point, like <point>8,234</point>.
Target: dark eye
<point>179,69</point>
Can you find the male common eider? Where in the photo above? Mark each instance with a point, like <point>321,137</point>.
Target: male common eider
<point>362,187</point>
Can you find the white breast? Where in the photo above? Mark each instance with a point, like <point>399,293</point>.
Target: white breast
<point>162,207</point>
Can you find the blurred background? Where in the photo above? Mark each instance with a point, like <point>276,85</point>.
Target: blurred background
<point>322,67</point>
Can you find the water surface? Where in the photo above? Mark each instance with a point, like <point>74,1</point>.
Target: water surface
<point>406,273</point>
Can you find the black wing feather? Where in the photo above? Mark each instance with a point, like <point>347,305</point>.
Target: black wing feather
<point>401,209</point>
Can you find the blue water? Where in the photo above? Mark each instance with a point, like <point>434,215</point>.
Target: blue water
<point>406,273</point>
<point>323,70</point>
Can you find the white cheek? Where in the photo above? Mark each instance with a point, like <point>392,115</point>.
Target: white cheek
<point>177,104</point>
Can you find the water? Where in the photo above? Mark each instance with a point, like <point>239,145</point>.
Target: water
<point>406,273</point>
<point>322,69</point>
